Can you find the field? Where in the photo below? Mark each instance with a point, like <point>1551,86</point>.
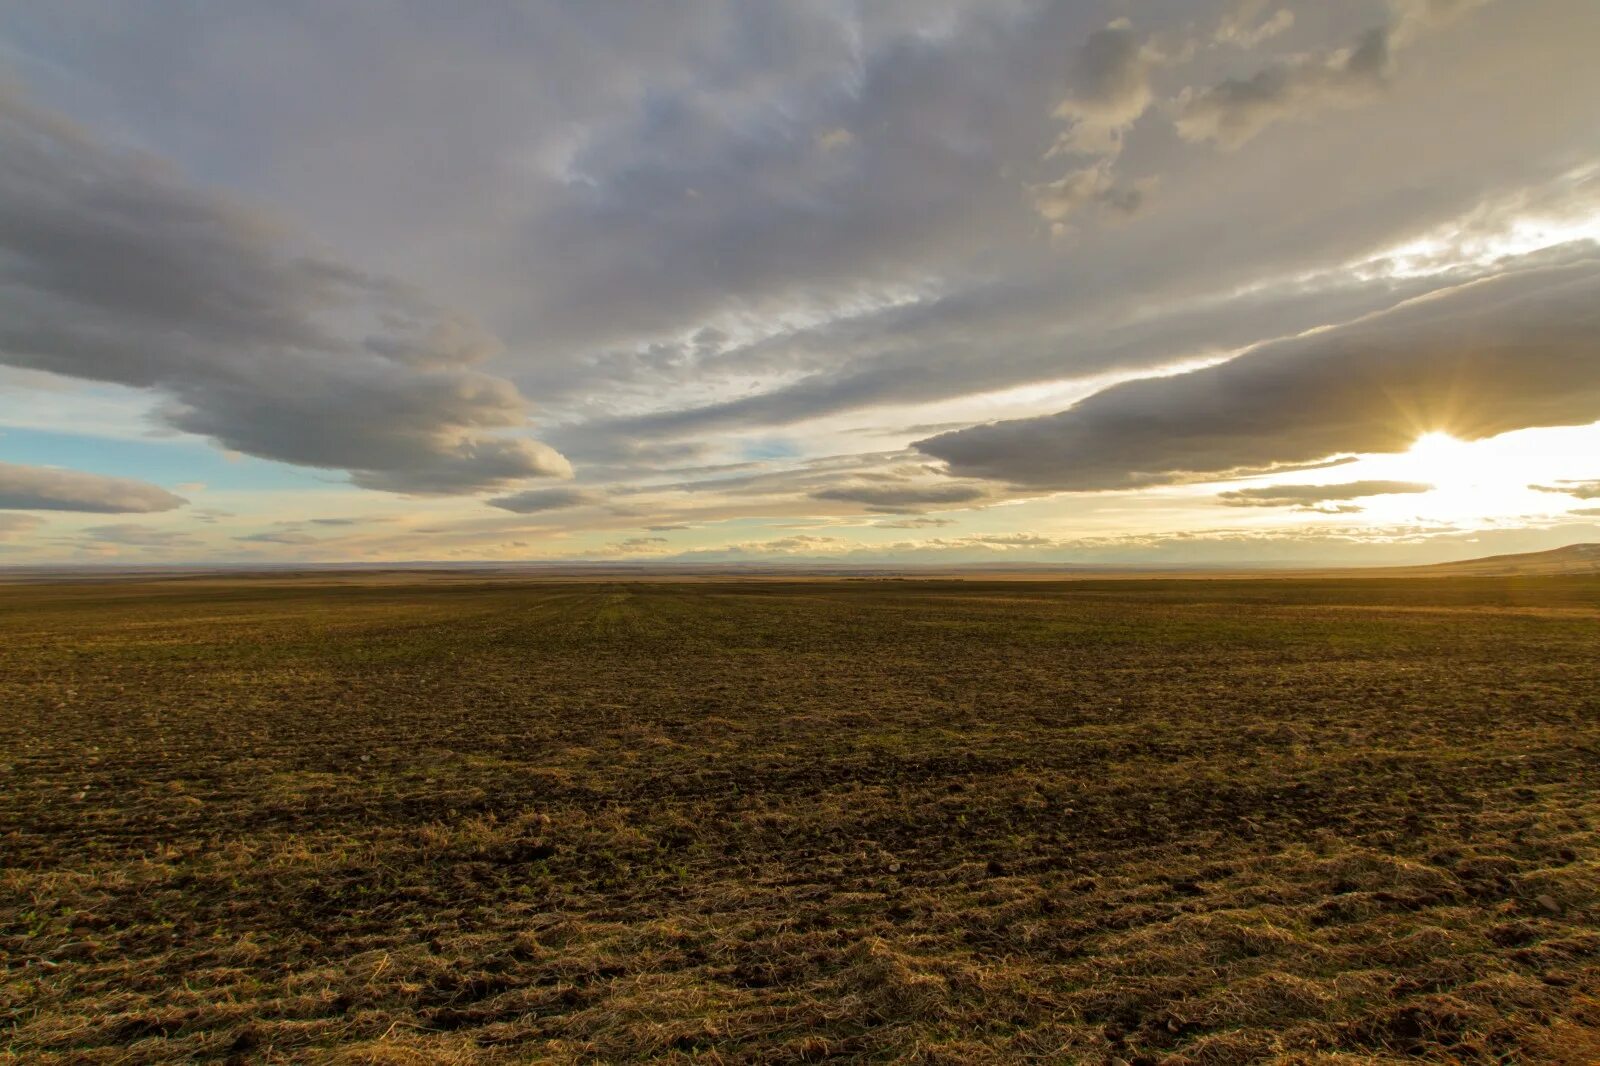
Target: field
<point>418,819</point>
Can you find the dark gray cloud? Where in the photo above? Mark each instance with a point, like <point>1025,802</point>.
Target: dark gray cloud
<point>802,477</point>
<point>1480,359</point>
<point>924,353</point>
<point>280,536</point>
<point>1308,497</point>
<point>920,522</point>
<point>901,498</point>
<point>1110,89</point>
<point>116,270</point>
<point>48,488</point>
<point>535,500</point>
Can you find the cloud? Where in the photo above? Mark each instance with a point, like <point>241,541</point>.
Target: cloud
<point>536,500</point>
<point>1309,497</point>
<point>113,269</point>
<point>1583,490</point>
<point>803,545</point>
<point>1094,185</point>
<point>15,525</point>
<point>900,499</point>
<point>921,522</point>
<point>835,139</point>
<point>1245,23</point>
<point>924,352</point>
<point>1009,541</point>
<point>48,488</point>
<point>1474,361</point>
<point>278,537</point>
<point>1233,111</point>
<point>133,535</point>
<point>1413,18</point>
<point>707,204</point>
<point>637,544</point>
<point>1110,89</point>
<point>1297,546</point>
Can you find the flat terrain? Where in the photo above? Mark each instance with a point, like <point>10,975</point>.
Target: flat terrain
<point>432,819</point>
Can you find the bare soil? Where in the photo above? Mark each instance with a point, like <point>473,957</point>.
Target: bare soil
<point>432,819</point>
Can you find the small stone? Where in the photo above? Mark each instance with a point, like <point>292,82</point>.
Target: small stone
<point>1549,903</point>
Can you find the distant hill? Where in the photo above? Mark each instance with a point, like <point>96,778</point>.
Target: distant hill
<point>1573,559</point>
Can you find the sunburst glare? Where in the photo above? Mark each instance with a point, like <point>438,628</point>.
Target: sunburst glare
<point>1485,480</point>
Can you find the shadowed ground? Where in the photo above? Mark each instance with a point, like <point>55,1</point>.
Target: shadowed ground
<point>419,819</point>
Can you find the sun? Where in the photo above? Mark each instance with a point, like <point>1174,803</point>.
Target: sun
<point>1473,481</point>
<point>1534,477</point>
<point>1438,457</point>
<point>1466,480</point>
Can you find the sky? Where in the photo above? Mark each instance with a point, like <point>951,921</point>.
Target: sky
<point>946,282</point>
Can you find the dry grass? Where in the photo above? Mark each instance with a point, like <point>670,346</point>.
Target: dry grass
<point>924,822</point>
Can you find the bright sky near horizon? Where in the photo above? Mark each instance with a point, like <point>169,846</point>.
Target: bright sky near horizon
<point>943,281</point>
